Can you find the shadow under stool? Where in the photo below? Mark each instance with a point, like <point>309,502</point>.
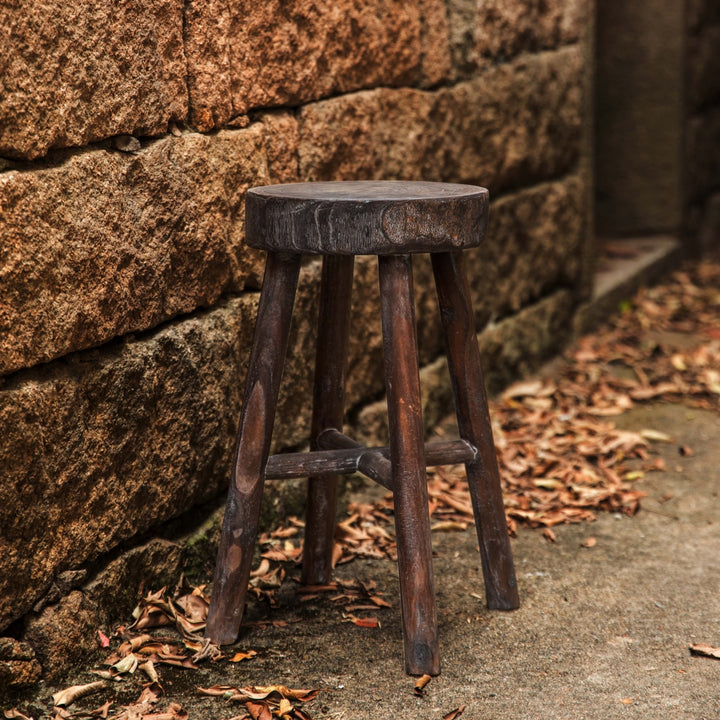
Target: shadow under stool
<point>339,220</point>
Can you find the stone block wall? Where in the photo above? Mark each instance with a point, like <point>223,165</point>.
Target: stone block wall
<point>129,134</point>
<point>702,136</point>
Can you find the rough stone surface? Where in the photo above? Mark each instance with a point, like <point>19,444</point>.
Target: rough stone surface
<point>109,243</point>
<point>281,145</point>
<point>510,349</point>
<point>370,135</point>
<point>533,246</point>
<point>18,665</point>
<point>76,73</point>
<point>516,124</point>
<point>247,55</point>
<point>497,30</point>
<point>703,67</point>
<point>102,446</point>
<point>435,60</point>
<point>517,345</point>
<point>505,28</point>
<point>66,632</point>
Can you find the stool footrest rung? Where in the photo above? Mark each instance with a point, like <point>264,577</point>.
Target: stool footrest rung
<point>373,462</point>
<point>340,455</point>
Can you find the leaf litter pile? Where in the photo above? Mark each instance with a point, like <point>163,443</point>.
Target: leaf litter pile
<point>561,460</point>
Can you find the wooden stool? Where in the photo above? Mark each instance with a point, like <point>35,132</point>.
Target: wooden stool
<point>340,220</point>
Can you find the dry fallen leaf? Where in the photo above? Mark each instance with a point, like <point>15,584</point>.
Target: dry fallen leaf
<point>173,712</point>
<point>421,684</point>
<point>259,692</point>
<point>454,714</point>
<point>549,535</point>
<point>69,695</point>
<point>369,622</point>
<point>655,435</point>
<point>259,710</point>
<point>102,712</point>
<point>264,702</point>
<point>705,650</point>
<point>529,388</point>
<point>238,657</point>
<point>148,668</point>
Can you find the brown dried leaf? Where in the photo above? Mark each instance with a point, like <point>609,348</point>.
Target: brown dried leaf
<point>262,569</point>
<point>69,695</point>
<point>194,607</point>
<point>240,656</point>
<point>314,589</point>
<point>421,684</point>
<point>529,388</point>
<point>549,535</point>
<point>224,691</point>
<point>102,712</point>
<point>148,667</point>
<point>276,555</point>
<point>284,532</point>
<point>454,714</point>
<point>655,435</point>
<point>259,692</point>
<point>449,526</point>
<point>705,650</point>
<point>369,622</point>
<point>259,710</point>
<point>379,601</point>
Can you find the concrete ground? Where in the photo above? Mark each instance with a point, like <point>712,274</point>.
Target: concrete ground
<point>603,632</point>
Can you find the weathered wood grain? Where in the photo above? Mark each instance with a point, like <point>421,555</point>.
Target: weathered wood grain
<point>366,217</point>
<point>474,425</point>
<point>239,530</point>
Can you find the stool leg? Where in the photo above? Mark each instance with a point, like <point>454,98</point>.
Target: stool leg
<point>333,331</point>
<point>407,455</point>
<point>239,530</point>
<point>474,425</point>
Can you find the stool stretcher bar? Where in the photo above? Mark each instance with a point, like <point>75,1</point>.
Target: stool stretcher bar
<point>348,459</point>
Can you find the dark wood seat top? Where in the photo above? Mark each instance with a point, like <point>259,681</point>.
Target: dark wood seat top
<point>365,217</point>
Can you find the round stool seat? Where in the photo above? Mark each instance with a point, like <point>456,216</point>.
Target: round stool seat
<point>365,217</point>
